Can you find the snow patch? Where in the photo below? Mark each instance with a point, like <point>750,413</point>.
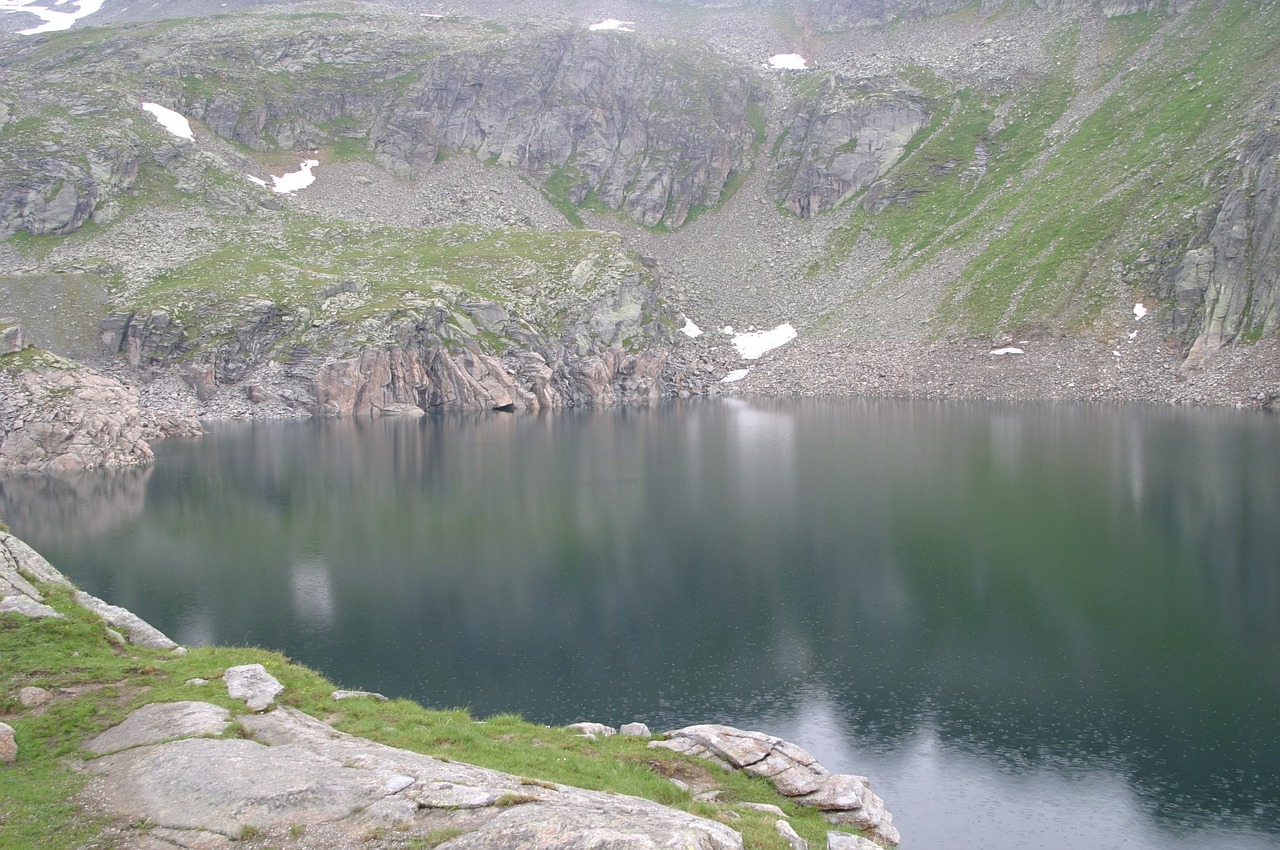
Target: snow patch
<point>257,180</point>
<point>613,24</point>
<point>170,120</point>
<point>690,329</point>
<point>1139,310</point>
<point>295,180</point>
<point>735,375</point>
<point>788,62</point>
<point>752,345</point>
<point>54,21</point>
<point>1008,350</point>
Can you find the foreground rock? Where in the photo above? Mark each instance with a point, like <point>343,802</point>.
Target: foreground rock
<point>795,773</point>
<point>299,773</point>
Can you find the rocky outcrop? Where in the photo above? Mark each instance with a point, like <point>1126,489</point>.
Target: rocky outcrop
<point>595,337</point>
<point>841,142</point>
<point>58,416</point>
<point>20,568</point>
<point>1229,283</point>
<point>605,114</point>
<point>791,770</point>
<point>52,186</point>
<point>297,773</point>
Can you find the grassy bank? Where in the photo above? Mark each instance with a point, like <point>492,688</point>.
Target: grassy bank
<point>96,683</point>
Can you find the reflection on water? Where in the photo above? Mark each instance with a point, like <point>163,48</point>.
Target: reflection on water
<point>1032,626</point>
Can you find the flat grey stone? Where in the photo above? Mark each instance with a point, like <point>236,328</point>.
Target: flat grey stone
<point>27,607</point>
<point>225,785</point>
<point>162,721</point>
<point>253,684</point>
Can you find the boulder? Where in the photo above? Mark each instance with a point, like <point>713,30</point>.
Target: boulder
<point>253,684</point>
<point>8,744</point>
<point>33,697</point>
<point>593,730</point>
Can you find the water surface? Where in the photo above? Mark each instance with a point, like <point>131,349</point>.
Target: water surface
<point>1030,626</point>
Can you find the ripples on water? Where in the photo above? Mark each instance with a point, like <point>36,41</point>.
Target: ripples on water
<point>1031,626</point>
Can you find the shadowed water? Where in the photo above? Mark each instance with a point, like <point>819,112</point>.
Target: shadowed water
<point>1030,626</point>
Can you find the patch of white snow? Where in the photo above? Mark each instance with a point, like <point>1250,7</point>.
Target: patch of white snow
<point>727,329</point>
<point>1008,350</point>
<point>295,180</point>
<point>170,120</point>
<point>1139,310</point>
<point>257,180</point>
<point>752,345</point>
<point>690,329</point>
<point>735,375</point>
<point>54,21</point>
<point>788,62</point>
<point>613,24</point>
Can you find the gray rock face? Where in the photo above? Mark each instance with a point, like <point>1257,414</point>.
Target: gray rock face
<point>253,684</point>
<point>62,417</point>
<point>1229,284</point>
<point>840,142</point>
<point>344,787</point>
<point>794,772</point>
<point>53,193</point>
<point>611,116</point>
<point>58,416</point>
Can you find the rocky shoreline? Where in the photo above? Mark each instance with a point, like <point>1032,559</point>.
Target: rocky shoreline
<point>192,773</point>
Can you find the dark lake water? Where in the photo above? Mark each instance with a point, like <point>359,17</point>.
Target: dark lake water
<point>1030,626</point>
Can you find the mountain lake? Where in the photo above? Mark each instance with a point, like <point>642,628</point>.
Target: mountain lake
<point>1030,626</point>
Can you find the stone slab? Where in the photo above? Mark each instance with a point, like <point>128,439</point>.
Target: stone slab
<point>163,721</point>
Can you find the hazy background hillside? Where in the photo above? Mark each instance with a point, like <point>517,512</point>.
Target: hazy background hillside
<point>944,179</point>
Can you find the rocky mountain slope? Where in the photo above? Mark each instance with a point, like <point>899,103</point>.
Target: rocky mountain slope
<point>520,208</point>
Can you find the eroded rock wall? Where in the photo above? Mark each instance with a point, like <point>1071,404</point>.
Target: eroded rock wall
<point>1228,284</point>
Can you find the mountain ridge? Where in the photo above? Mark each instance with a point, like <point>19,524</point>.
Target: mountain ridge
<point>946,178</point>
